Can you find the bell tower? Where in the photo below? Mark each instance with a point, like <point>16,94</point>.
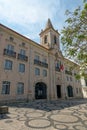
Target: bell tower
<point>49,37</point>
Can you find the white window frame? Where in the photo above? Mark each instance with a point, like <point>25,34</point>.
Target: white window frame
<point>8,64</point>
<point>22,52</point>
<point>21,67</point>
<point>5,87</point>
<point>37,71</point>
<point>20,88</point>
<point>45,73</point>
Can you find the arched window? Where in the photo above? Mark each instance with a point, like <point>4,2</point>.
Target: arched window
<point>55,40</point>
<point>45,39</point>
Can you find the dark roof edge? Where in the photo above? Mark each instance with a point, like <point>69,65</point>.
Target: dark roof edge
<point>22,36</point>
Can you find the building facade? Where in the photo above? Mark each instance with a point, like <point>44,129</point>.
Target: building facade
<point>84,87</point>
<point>31,71</point>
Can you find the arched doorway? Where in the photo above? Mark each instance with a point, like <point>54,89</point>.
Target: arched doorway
<point>40,90</point>
<point>70,91</point>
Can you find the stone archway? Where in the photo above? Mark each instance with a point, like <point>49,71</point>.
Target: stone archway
<point>40,90</point>
<point>70,91</point>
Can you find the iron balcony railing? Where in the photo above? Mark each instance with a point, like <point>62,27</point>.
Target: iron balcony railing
<point>22,57</point>
<point>40,63</point>
<point>9,53</point>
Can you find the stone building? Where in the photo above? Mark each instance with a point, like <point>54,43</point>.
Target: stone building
<point>84,87</point>
<point>29,70</point>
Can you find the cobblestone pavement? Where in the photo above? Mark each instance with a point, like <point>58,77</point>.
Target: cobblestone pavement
<point>42,115</point>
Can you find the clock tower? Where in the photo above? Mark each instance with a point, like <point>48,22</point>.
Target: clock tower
<point>49,37</point>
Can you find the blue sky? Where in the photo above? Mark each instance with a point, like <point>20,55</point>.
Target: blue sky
<point>28,17</point>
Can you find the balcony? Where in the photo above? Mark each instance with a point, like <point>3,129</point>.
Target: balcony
<point>44,64</point>
<point>68,72</point>
<point>40,63</point>
<point>9,53</point>
<point>22,57</point>
<point>57,69</point>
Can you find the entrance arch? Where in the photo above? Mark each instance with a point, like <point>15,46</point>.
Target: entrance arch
<point>70,91</point>
<point>40,90</point>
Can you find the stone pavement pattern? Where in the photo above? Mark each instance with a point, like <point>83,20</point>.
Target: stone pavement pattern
<point>42,115</point>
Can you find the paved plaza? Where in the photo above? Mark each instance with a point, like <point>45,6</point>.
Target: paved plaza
<point>46,115</point>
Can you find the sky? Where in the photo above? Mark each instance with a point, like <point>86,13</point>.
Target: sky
<point>28,17</point>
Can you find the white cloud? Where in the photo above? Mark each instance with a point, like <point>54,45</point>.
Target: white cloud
<point>27,11</point>
<point>28,17</point>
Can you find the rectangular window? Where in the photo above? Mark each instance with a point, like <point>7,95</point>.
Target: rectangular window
<point>22,52</point>
<point>6,87</point>
<point>10,47</point>
<point>77,90</point>
<point>45,60</point>
<point>37,57</point>
<point>44,73</point>
<point>37,71</point>
<point>21,67</point>
<point>11,39</point>
<point>85,82</point>
<point>20,88</point>
<point>70,78</point>
<point>57,65</point>
<point>67,78</point>
<point>8,65</point>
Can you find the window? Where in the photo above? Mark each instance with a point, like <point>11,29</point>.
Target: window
<point>10,47</point>
<point>8,65</point>
<point>70,78</point>
<point>44,73</point>
<point>57,65</point>
<point>86,82</point>
<point>23,44</point>
<point>55,40</point>
<point>9,51</point>
<point>67,78</point>
<point>22,52</point>
<point>11,39</point>
<point>45,60</point>
<point>20,88</point>
<point>37,71</point>
<point>37,57</point>
<point>77,90</point>
<point>21,67</point>
<point>6,87</point>
<point>45,39</point>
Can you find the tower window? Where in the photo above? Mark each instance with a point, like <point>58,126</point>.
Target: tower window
<point>45,39</point>
<point>55,40</point>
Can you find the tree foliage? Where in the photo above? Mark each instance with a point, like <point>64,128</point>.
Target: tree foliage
<point>74,36</point>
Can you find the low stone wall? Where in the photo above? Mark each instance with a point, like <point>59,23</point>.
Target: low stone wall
<point>3,109</point>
